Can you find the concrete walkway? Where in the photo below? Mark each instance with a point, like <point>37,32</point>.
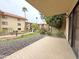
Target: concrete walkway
<point>46,48</point>
<point>12,36</point>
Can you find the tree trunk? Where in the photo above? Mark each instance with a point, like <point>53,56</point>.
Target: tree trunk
<point>51,28</point>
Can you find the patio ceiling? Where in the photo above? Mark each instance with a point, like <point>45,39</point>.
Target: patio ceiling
<point>53,7</point>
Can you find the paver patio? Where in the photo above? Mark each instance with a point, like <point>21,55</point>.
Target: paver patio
<point>46,48</point>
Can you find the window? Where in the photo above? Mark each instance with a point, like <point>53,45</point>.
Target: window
<point>19,28</point>
<point>19,24</point>
<point>5,29</point>
<point>4,23</point>
<point>3,16</point>
<point>18,19</point>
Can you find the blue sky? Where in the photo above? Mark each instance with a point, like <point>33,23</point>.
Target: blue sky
<point>15,7</point>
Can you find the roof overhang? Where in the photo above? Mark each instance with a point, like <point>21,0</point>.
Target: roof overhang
<point>53,7</point>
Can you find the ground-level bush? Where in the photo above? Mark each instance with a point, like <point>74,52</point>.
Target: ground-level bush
<point>55,32</point>
<point>49,33</point>
<point>58,34</point>
<point>42,31</point>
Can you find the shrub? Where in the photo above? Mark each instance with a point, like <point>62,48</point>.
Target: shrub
<point>49,33</point>
<point>55,21</point>
<point>43,31</point>
<point>60,34</point>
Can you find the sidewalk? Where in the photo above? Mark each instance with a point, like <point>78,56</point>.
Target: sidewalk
<point>46,48</point>
<point>12,36</point>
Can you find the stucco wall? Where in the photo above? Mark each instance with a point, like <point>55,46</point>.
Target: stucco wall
<point>67,28</point>
<point>53,7</point>
<point>13,23</point>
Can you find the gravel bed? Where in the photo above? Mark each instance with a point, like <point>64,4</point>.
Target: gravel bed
<point>7,48</point>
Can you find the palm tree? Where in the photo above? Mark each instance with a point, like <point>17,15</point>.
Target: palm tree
<point>24,9</point>
<point>42,16</point>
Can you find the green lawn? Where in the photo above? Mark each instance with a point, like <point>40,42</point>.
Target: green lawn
<point>24,36</point>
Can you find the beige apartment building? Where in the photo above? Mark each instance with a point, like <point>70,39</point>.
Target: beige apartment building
<point>28,26</point>
<point>10,22</point>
